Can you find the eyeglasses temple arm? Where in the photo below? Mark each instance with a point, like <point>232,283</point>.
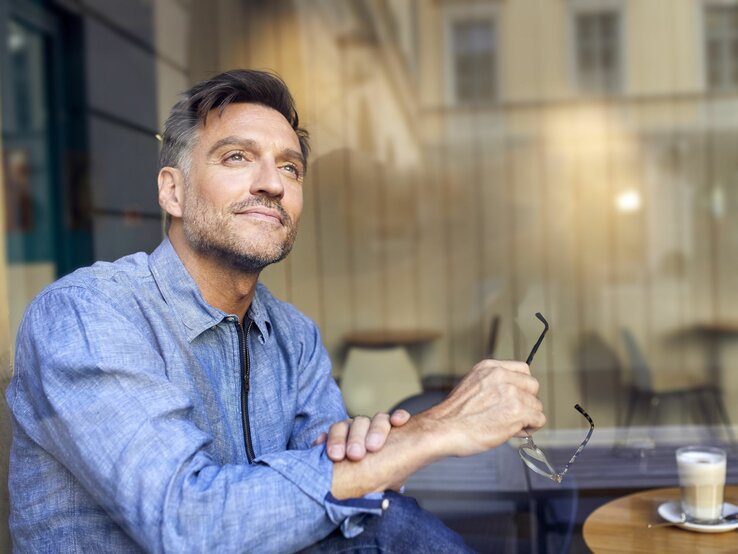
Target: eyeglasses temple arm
<point>584,442</point>
<point>540,339</point>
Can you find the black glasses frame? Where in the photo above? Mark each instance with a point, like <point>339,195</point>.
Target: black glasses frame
<point>528,451</point>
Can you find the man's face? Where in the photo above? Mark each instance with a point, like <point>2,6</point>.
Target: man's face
<point>243,193</point>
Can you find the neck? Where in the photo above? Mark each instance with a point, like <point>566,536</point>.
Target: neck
<point>223,287</point>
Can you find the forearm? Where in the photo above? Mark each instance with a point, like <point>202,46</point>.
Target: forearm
<point>420,442</point>
<point>492,404</point>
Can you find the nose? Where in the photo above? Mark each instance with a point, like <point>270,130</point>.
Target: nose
<point>268,182</point>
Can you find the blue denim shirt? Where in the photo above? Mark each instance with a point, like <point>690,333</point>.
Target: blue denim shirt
<point>127,419</point>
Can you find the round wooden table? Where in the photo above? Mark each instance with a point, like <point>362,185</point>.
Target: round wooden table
<point>621,526</point>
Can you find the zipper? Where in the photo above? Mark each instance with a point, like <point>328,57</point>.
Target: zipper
<point>243,340</point>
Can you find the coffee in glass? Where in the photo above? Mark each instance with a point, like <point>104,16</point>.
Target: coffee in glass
<point>702,480</point>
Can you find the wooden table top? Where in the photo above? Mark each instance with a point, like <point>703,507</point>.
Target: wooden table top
<point>386,338</point>
<point>719,327</point>
<point>722,327</point>
<point>621,526</point>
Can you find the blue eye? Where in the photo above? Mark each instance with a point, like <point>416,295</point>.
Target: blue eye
<point>237,157</point>
<point>292,168</point>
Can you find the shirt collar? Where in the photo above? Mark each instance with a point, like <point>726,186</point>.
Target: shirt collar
<point>259,314</point>
<point>182,293</point>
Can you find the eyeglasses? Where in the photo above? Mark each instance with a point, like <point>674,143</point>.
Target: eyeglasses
<point>533,456</point>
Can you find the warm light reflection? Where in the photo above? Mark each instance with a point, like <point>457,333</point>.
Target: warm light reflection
<point>717,201</point>
<point>628,201</point>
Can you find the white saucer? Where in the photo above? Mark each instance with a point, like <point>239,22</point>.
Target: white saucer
<point>672,511</point>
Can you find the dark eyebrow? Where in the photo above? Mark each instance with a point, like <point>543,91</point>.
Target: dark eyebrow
<point>293,156</point>
<point>234,141</point>
<point>249,144</point>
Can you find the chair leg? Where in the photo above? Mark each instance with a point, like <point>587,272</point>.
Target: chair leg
<point>723,414</point>
<point>653,410</point>
<point>705,410</point>
<point>632,401</point>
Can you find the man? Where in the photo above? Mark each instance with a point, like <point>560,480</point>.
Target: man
<point>168,402</point>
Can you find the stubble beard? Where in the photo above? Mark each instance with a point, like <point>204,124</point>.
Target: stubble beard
<point>213,233</point>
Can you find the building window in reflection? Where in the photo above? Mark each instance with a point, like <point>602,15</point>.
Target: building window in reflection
<point>474,43</point>
<point>597,52</point>
<point>721,32</point>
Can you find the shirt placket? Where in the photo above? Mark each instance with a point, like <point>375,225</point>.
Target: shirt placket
<point>245,359</point>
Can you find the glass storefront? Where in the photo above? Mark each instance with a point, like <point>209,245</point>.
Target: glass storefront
<point>473,163</point>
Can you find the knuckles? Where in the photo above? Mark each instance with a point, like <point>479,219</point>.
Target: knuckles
<point>381,417</point>
<point>361,419</point>
<point>340,428</point>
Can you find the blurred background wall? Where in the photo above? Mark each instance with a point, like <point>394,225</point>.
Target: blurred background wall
<point>471,160</point>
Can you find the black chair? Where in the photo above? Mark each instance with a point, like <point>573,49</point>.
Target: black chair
<point>494,330</point>
<point>420,402</point>
<point>643,390</point>
<point>433,395</point>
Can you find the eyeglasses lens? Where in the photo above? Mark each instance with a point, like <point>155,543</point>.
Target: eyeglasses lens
<point>536,460</point>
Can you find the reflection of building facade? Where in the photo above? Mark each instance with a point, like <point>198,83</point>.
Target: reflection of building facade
<point>591,172</point>
<point>470,159</point>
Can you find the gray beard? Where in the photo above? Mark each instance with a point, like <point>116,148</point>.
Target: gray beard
<point>202,235</point>
<point>247,263</point>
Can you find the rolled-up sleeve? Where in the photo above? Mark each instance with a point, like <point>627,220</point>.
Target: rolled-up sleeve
<point>319,405</point>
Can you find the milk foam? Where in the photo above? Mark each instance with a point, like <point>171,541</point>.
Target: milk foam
<point>701,468</point>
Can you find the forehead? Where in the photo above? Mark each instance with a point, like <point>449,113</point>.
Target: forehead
<point>254,121</point>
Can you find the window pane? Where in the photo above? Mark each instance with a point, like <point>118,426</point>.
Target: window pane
<point>721,34</point>
<point>597,45</point>
<point>473,55</point>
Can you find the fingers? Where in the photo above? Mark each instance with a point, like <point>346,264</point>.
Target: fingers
<point>510,365</point>
<point>353,438</point>
<point>537,420</point>
<point>524,382</point>
<point>399,418</point>
<point>347,439</point>
<point>527,412</point>
<point>494,372</point>
<point>529,429</point>
<point>336,445</point>
<point>504,390</point>
<point>379,429</point>
<point>357,437</point>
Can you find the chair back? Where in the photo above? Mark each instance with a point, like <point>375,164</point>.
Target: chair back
<point>494,330</point>
<point>420,402</point>
<point>637,361</point>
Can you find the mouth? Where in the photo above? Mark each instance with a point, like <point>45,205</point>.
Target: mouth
<point>263,214</point>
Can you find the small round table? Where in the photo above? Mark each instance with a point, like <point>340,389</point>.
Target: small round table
<point>621,526</point>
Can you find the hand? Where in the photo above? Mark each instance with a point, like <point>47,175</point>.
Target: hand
<point>353,438</point>
<point>494,402</point>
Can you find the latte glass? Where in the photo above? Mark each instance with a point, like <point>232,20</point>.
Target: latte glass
<point>702,480</point>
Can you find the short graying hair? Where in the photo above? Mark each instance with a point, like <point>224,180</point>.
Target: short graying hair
<point>235,86</point>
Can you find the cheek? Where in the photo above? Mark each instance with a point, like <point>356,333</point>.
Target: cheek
<point>206,201</point>
<point>292,202</point>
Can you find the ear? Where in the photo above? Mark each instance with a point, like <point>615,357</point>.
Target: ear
<point>171,190</point>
